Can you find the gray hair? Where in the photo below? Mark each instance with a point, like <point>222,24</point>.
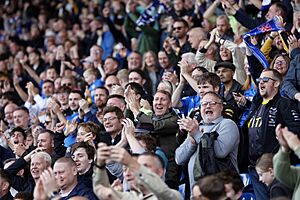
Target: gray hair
<point>44,156</point>
<point>190,57</point>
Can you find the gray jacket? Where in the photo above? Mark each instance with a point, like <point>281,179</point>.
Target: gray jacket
<point>226,144</point>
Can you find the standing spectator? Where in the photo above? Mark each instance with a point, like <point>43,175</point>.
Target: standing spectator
<point>225,146</point>
<point>165,126</point>
<point>266,112</point>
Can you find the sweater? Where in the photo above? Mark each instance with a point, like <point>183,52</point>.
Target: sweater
<point>287,174</point>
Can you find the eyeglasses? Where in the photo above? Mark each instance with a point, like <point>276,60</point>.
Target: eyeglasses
<point>178,28</point>
<point>109,119</point>
<point>264,79</point>
<point>211,103</point>
<point>280,62</point>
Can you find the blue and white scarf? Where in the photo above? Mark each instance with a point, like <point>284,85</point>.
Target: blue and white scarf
<point>271,25</point>
<point>265,5</point>
<point>152,13</point>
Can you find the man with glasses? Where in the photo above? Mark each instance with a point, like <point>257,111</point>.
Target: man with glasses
<point>226,144</point>
<point>112,123</point>
<point>268,109</point>
<point>178,43</point>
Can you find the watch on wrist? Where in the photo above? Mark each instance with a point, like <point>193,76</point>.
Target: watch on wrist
<point>102,166</point>
<point>53,194</point>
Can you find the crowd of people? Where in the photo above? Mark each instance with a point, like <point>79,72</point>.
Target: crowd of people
<point>149,99</point>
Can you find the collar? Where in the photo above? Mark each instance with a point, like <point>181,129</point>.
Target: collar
<point>216,121</point>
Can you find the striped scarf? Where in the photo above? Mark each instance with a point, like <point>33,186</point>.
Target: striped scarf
<point>271,25</point>
<point>152,13</point>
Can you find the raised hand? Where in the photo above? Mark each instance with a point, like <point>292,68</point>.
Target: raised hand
<point>184,66</point>
<point>280,138</point>
<point>70,127</point>
<point>59,127</point>
<point>291,139</point>
<point>190,125</point>
<point>103,154</point>
<point>53,105</point>
<point>39,191</point>
<point>128,127</point>
<point>120,155</point>
<point>19,149</point>
<point>30,89</point>
<point>293,43</point>
<point>49,181</point>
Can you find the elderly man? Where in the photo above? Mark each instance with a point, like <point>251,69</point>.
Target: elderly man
<point>226,144</point>
<point>39,162</point>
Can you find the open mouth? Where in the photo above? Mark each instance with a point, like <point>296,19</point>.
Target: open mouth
<point>109,126</point>
<point>262,87</point>
<point>159,108</point>
<point>77,164</point>
<point>34,172</point>
<point>209,112</point>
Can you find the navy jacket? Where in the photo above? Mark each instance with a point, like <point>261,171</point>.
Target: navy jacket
<point>81,190</point>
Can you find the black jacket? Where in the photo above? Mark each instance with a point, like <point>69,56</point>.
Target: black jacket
<point>277,189</point>
<point>86,178</point>
<point>7,197</point>
<point>279,110</point>
<point>25,184</point>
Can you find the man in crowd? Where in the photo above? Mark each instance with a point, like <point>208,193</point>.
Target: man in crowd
<point>226,144</point>
<point>65,172</point>
<point>143,174</point>
<point>39,161</point>
<point>267,111</point>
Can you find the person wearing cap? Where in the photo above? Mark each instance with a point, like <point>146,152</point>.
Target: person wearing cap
<point>229,86</point>
<point>228,51</point>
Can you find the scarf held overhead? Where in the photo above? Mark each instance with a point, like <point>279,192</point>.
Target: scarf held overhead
<point>152,13</point>
<point>271,25</point>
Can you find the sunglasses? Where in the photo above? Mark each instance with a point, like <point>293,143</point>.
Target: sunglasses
<point>177,28</point>
<point>264,79</point>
